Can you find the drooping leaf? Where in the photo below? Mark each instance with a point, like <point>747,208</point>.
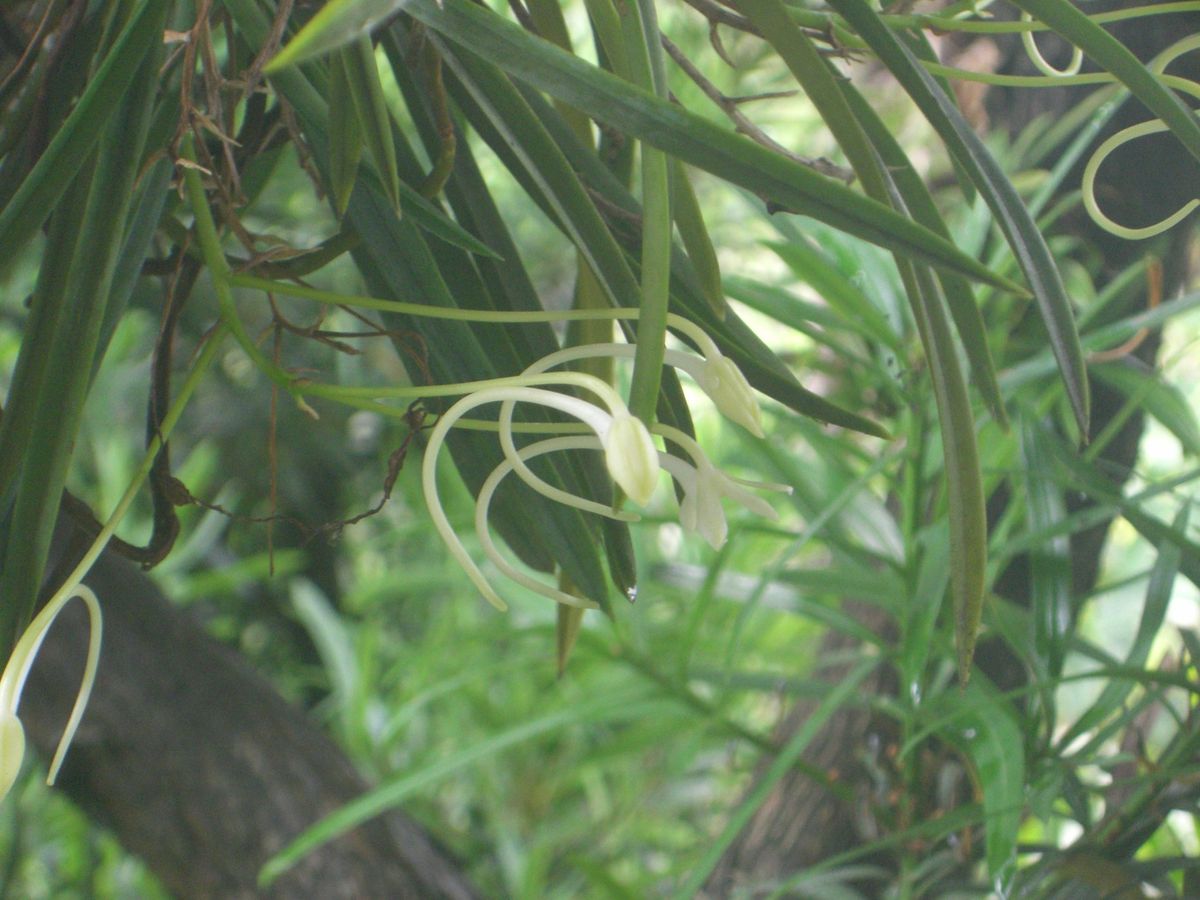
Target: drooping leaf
<point>1022,233</point>
<point>689,137</point>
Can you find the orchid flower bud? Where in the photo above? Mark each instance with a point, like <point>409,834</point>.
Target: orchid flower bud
<point>631,457</point>
<point>724,382</point>
<point>717,375</point>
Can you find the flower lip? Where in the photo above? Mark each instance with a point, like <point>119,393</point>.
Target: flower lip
<point>705,486</point>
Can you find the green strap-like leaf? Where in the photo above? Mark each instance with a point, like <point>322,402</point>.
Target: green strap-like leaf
<point>640,29</point>
<point>960,298</point>
<point>33,202</point>
<point>1021,231</point>
<point>339,22</point>
<point>366,92</point>
<point>689,137</point>
<point>1105,50</point>
<point>964,488</point>
<point>345,139</point>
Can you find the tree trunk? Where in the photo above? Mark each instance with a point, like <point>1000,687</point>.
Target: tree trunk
<point>202,769</point>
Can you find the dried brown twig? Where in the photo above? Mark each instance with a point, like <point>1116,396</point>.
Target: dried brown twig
<point>729,105</point>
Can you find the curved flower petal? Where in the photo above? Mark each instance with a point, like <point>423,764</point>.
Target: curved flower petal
<point>484,502</point>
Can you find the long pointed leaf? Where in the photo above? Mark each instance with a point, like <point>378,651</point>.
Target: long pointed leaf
<point>39,192</point>
<point>689,137</point>
<point>1021,231</point>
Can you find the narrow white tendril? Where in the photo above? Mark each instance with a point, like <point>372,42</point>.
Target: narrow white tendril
<point>12,683</point>
<point>1089,186</point>
<point>484,501</point>
<point>629,452</point>
<point>523,471</point>
<point>716,375</point>
<point>1039,61</point>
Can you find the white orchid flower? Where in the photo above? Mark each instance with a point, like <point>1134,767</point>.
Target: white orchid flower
<point>705,486</point>
<point>12,683</point>
<point>701,512</point>
<point>717,375</point>
<point>629,450</point>
<point>624,472</point>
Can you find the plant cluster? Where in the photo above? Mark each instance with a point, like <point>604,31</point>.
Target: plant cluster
<point>145,167</point>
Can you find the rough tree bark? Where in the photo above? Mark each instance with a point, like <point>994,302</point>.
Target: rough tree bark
<point>201,768</point>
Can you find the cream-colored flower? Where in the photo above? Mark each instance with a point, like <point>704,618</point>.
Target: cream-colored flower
<point>723,381</point>
<point>629,449</point>
<point>705,487</point>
